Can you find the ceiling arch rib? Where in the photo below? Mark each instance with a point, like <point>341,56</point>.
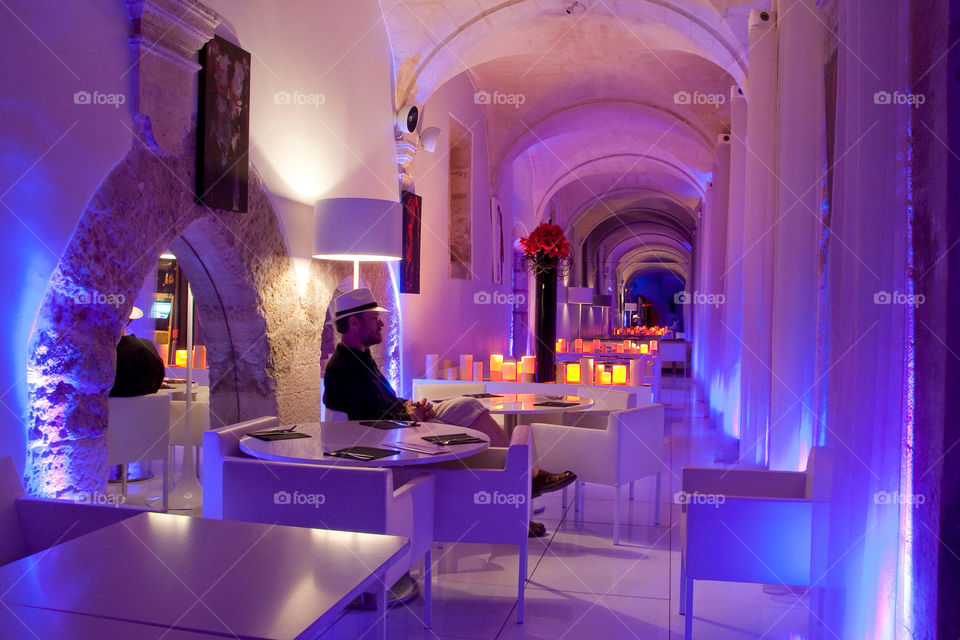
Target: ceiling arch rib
<point>435,41</point>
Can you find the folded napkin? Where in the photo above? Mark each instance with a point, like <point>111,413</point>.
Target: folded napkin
<point>555,403</point>
<point>385,425</point>
<point>278,435</point>
<point>362,453</point>
<point>482,395</point>
<point>452,439</point>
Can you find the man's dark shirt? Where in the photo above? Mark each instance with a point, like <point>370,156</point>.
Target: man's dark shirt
<point>354,384</point>
<point>140,368</point>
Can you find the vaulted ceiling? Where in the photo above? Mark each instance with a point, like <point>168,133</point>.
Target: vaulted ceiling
<point>615,107</point>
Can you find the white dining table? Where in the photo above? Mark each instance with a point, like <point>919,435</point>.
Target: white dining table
<point>326,437</point>
<point>513,405</point>
<point>233,579</point>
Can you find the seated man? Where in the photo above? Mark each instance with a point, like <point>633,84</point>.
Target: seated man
<point>354,385</point>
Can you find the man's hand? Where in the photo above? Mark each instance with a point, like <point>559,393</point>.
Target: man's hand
<point>420,411</point>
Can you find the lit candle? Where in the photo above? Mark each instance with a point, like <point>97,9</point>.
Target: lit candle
<point>654,346</point>
<point>578,346</point>
<point>431,369</point>
<point>586,370</point>
<point>573,372</point>
<point>635,369</point>
<point>644,349</point>
<point>466,367</point>
<point>606,377</point>
<point>478,371</point>
<point>181,357</point>
<point>496,367</point>
<point>528,364</point>
<point>619,374</point>
<point>510,371</point>
<point>597,345</point>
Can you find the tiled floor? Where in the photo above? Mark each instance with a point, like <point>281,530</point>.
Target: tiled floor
<point>582,586</point>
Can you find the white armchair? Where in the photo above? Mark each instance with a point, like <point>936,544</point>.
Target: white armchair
<point>29,524</point>
<point>748,525</point>
<point>363,499</point>
<point>486,498</point>
<point>613,449</point>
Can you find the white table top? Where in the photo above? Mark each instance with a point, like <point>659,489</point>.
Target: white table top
<point>195,574</point>
<point>526,403</point>
<point>331,436</point>
<point>23,623</point>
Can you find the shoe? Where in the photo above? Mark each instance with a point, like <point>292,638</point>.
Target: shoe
<point>537,530</point>
<point>545,482</point>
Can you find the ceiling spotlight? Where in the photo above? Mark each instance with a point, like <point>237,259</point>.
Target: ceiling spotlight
<point>407,118</point>
<point>429,138</point>
<point>573,7</point>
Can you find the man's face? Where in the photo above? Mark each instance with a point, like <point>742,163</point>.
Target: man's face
<point>369,328</point>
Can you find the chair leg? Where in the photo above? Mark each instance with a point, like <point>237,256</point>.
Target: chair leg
<point>123,479</point>
<point>656,501</point>
<point>682,606</point>
<point>563,498</point>
<point>522,580</point>
<point>632,483</point>
<point>616,519</point>
<point>688,617</point>
<point>427,588</point>
<point>382,608</point>
<point>166,486</point>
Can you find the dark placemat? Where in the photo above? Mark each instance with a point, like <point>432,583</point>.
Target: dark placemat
<point>385,425</point>
<point>482,395</point>
<point>362,453</point>
<point>278,435</point>
<point>555,403</point>
<point>452,439</point>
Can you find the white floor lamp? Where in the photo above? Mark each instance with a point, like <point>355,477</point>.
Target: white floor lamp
<point>357,230</point>
<point>579,296</point>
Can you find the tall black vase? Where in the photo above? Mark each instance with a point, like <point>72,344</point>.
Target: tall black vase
<point>545,325</point>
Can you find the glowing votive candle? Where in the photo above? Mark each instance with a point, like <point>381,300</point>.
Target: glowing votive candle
<point>654,346</point>
<point>466,367</point>
<point>619,374</point>
<point>578,345</point>
<point>573,372</point>
<point>644,349</point>
<point>478,371</point>
<point>496,367</point>
<point>606,377</point>
<point>510,371</point>
<point>181,357</point>
<point>586,370</point>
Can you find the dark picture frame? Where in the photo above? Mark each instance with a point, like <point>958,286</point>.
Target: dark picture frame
<point>223,126</point>
<point>410,262</point>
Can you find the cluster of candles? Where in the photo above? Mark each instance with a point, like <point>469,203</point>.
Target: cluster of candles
<point>583,372</point>
<point>640,331</point>
<point>598,346</point>
<point>180,356</point>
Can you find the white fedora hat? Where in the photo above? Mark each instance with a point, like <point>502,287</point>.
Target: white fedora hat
<point>354,302</point>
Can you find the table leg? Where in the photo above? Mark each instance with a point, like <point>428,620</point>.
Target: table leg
<point>509,424</point>
<point>382,608</point>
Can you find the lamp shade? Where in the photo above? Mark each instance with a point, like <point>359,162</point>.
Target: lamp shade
<point>580,295</point>
<point>357,229</point>
<point>601,300</point>
<point>630,306</point>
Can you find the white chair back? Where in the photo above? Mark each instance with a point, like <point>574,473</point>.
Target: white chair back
<point>12,543</point>
<point>217,445</point>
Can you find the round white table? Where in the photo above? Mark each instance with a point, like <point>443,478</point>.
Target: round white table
<point>332,436</point>
<point>512,405</point>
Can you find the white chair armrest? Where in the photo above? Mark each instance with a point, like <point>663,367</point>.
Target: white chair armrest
<point>744,482</point>
<point>48,521</point>
<point>411,514</point>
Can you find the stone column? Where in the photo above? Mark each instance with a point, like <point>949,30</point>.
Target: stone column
<point>801,168</point>
<point>714,240</point>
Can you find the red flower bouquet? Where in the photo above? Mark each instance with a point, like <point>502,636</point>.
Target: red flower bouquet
<point>546,248</point>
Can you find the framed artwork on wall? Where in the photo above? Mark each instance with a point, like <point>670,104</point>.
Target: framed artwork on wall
<point>223,126</point>
<point>496,241</point>
<point>410,262</point>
